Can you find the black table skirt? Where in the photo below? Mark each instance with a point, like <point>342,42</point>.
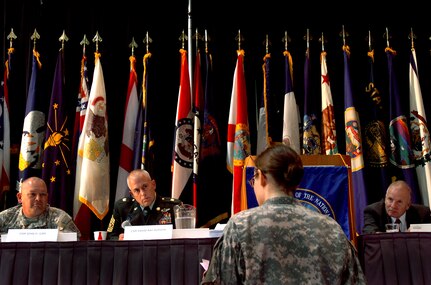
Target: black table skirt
<point>396,258</point>
<point>173,261</point>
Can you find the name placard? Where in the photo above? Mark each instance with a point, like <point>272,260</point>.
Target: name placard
<point>30,235</point>
<point>148,232</point>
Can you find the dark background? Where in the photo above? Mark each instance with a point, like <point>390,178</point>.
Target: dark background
<point>118,21</point>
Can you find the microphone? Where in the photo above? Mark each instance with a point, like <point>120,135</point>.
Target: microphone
<point>126,223</point>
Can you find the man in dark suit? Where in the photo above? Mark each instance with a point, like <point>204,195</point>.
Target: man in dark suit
<point>395,206</point>
<point>144,207</point>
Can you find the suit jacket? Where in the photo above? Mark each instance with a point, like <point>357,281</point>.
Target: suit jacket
<point>129,209</point>
<point>375,216</point>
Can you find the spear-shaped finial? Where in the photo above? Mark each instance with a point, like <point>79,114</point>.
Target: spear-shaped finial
<point>286,39</point>
<point>133,45</point>
<point>267,43</point>
<point>206,40</point>
<point>370,41</point>
<point>11,37</point>
<point>197,37</point>
<point>63,38</point>
<point>387,37</point>
<point>84,42</point>
<point>183,38</point>
<point>147,40</point>
<point>96,39</point>
<point>343,35</point>
<point>412,38</point>
<point>240,39</point>
<point>35,36</point>
<point>308,38</point>
<point>322,40</point>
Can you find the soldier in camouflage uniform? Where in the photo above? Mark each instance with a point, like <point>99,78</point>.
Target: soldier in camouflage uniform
<point>33,211</point>
<point>144,207</point>
<point>281,241</point>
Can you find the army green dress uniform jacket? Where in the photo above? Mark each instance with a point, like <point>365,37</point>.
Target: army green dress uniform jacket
<point>129,209</point>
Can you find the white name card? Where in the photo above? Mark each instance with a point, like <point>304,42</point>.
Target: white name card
<point>30,235</point>
<point>148,232</point>
<point>420,228</point>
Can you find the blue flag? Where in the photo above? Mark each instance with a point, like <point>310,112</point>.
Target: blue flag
<point>33,133</point>
<point>354,145</point>
<point>401,154</point>
<point>56,169</point>
<point>375,138</point>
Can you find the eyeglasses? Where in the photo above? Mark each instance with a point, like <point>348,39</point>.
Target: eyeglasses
<point>253,179</point>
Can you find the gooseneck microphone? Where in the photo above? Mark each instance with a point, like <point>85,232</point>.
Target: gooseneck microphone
<point>126,222</point>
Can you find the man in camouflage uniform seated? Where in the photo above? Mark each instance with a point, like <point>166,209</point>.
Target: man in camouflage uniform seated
<point>144,207</point>
<point>33,211</point>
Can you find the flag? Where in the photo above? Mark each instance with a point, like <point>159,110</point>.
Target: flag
<point>56,150</point>
<point>310,135</point>
<point>33,133</point>
<point>238,135</point>
<point>354,145</point>
<point>143,156</point>
<point>263,137</point>
<point>130,119</point>
<point>419,132</point>
<point>290,113</point>
<point>210,141</point>
<point>197,133</point>
<point>183,143</point>
<point>329,134</point>
<point>401,156</point>
<point>81,213</point>
<point>375,138</point>
<point>92,167</point>
<point>5,129</point>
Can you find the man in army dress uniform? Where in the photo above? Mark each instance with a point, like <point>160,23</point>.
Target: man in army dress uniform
<point>144,207</point>
<point>33,211</point>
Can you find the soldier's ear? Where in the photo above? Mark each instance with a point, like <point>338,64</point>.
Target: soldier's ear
<point>18,196</point>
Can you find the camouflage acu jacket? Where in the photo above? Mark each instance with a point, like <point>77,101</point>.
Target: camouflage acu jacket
<point>283,242</point>
<point>53,218</point>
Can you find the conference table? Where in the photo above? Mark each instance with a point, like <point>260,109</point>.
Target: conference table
<point>396,258</point>
<point>164,261</point>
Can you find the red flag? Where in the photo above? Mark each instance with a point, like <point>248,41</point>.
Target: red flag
<point>81,213</point>
<point>5,129</point>
<point>130,116</point>
<point>238,135</point>
<point>198,103</point>
<point>183,140</point>
<point>329,136</point>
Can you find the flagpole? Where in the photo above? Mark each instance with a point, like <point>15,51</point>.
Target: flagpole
<point>190,45</point>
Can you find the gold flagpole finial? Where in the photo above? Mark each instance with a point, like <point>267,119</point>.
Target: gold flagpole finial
<point>84,42</point>
<point>240,39</point>
<point>286,39</point>
<point>183,38</point>
<point>147,40</point>
<point>133,45</point>
<point>97,39</point>
<point>35,36</point>
<point>63,38</point>
<point>412,38</point>
<point>11,37</point>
